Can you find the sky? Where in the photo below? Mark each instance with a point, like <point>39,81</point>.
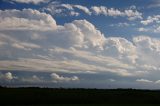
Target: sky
<point>80,43</point>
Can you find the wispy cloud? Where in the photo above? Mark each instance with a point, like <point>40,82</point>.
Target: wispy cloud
<point>28,1</point>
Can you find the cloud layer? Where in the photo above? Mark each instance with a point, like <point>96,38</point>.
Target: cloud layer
<point>32,41</point>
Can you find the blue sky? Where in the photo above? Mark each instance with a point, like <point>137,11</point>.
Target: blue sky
<point>80,43</point>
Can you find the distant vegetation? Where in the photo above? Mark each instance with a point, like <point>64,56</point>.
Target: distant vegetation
<point>36,96</point>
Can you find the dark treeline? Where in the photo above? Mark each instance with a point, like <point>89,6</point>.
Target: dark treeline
<point>35,95</point>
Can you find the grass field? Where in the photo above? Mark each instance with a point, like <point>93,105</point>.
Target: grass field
<point>72,97</point>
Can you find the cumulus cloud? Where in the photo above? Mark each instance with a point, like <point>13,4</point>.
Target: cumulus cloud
<point>57,78</point>
<point>29,1</point>
<point>66,9</point>
<point>75,47</point>
<point>73,13</point>
<point>151,19</point>
<point>7,76</point>
<point>26,19</point>
<point>153,23</point>
<point>56,8</point>
<point>80,7</point>
<point>148,49</point>
<point>144,81</point>
<point>102,10</point>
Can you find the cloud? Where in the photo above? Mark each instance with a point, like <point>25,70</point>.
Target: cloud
<point>72,7</point>
<point>157,29</point>
<point>73,13</point>
<point>120,25</point>
<point>144,81</point>
<point>83,8</point>
<point>153,23</point>
<point>7,76</point>
<point>75,47</point>
<point>56,78</point>
<point>151,19</point>
<point>68,6</point>
<point>102,10</point>
<point>29,1</point>
<point>157,82</point>
<point>143,29</point>
<point>33,79</point>
<point>67,9</point>
<point>26,19</point>
<point>148,81</point>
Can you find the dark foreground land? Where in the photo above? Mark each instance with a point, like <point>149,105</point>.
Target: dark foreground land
<point>49,97</point>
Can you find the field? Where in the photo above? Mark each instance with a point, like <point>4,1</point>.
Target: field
<point>101,97</point>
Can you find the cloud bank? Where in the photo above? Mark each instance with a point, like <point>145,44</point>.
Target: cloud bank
<point>32,41</point>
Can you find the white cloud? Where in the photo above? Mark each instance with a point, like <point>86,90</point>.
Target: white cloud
<point>143,29</point>
<point>66,9</point>
<point>151,19</point>
<point>133,14</point>
<point>68,6</point>
<point>26,19</point>
<point>83,8</point>
<point>7,76</point>
<point>75,47</point>
<point>102,10</point>
<point>57,78</point>
<point>144,81</point>
<point>73,13</point>
<point>148,81</point>
<point>30,1</point>
<point>80,7</point>
<point>148,50</point>
<point>157,82</point>
<point>121,25</point>
<point>152,22</point>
